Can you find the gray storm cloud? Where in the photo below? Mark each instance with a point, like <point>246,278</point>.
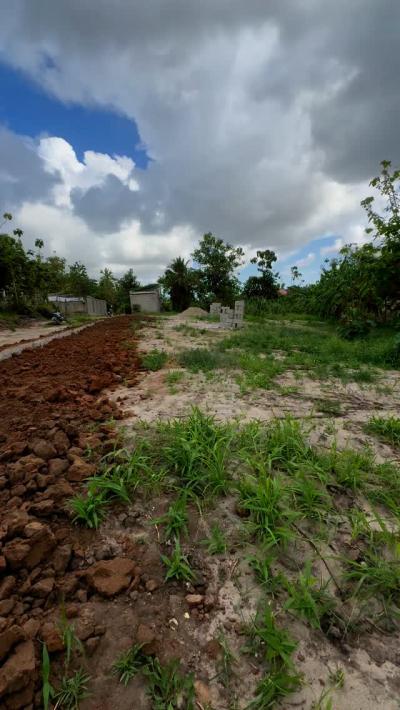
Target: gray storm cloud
<point>265,120</point>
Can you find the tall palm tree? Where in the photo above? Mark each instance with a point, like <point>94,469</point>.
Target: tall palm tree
<point>178,282</point>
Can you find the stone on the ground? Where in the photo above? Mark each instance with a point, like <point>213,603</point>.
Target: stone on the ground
<point>110,577</point>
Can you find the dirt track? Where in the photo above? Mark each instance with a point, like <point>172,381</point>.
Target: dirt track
<point>52,432</point>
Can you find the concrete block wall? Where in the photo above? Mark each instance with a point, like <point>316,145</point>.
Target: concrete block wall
<point>232,317</point>
<point>215,309</point>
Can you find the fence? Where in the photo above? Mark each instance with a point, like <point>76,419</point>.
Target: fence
<point>69,305</point>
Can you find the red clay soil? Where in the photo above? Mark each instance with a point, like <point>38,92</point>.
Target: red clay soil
<point>51,414</point>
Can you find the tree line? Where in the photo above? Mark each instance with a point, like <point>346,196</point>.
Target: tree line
<point>359,287</point>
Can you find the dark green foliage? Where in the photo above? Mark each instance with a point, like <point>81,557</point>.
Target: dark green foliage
<point>215,278</point>
<point>264,286</point>
<point>178,283</point>
<point>354,323</point>
<point>127,283</point>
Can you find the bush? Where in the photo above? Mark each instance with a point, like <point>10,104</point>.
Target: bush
<point>355,324</point>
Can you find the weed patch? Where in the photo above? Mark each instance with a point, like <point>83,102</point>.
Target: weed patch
<point>216,544</point>
<point>177,565</point>
<point>375,575</point>
<point>73,690</point>
<point>154,360</point>
<point>387,429</point>
<point>175,519</point>
<point>168,688</point>
<point>309,599</point>
<point>203,360</point>
<point>276,647</point>
<point>129,664</point>
<point>196,451</point>
<point>320,351</point>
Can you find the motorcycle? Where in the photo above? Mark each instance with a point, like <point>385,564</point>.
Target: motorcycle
<point>57,318</point>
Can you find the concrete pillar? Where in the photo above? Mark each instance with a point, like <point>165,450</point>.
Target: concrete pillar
<point>215,309</point>
<point>238,314</point>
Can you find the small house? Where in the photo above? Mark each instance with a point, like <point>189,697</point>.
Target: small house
<point>146,301</point>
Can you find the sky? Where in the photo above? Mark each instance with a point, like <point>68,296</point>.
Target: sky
<point>129,129</point>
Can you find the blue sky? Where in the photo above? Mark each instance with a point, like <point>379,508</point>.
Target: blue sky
<point>27,110</point>
<point>309,259</point>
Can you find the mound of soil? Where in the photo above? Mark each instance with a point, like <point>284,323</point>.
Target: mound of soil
<point>54,427</point>
<point>194,311</point>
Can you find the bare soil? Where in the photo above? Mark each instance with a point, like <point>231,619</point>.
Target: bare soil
<point>62,408</point>
<point>370,660</point>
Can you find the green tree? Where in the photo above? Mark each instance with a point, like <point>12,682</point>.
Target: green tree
<point>14,266</point>
<point>363,282</point>
<point>296,274</point>
<point>107,287</point>
<point>55,274</point>
<point>127,283</point>
<point>78,282</point>
<point>178,282</point>
<point>265,285</point>
<point>215,279</point>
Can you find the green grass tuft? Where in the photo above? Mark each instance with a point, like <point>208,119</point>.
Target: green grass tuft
<point>154,360</point>
<point>130,663</point>
<point>168,688</point>
<point>216,544</point>
<point>309,599</point>
<point>175,519</point>
<point>177,565</point>
<point>73,690</point>
<point>387,429</point>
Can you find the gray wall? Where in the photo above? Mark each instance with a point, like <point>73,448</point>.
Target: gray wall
<point>70,307</point>
<point>95,306</point>
<point>91,306</point>
<point>148,301</point>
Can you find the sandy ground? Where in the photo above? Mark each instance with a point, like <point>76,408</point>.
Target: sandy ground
<point>371,670</point>
<point>31,332</point>
<point>218,393</point>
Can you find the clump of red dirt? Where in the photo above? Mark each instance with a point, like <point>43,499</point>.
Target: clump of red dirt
<point>52,413</point>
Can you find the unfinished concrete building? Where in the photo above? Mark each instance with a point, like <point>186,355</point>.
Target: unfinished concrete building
<point>146,301</point>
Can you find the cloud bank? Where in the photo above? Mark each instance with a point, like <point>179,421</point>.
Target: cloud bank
<point>264,120</point>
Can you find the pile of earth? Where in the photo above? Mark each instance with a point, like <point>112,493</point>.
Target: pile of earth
<point>194,312</point>
<point>55,425</point>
